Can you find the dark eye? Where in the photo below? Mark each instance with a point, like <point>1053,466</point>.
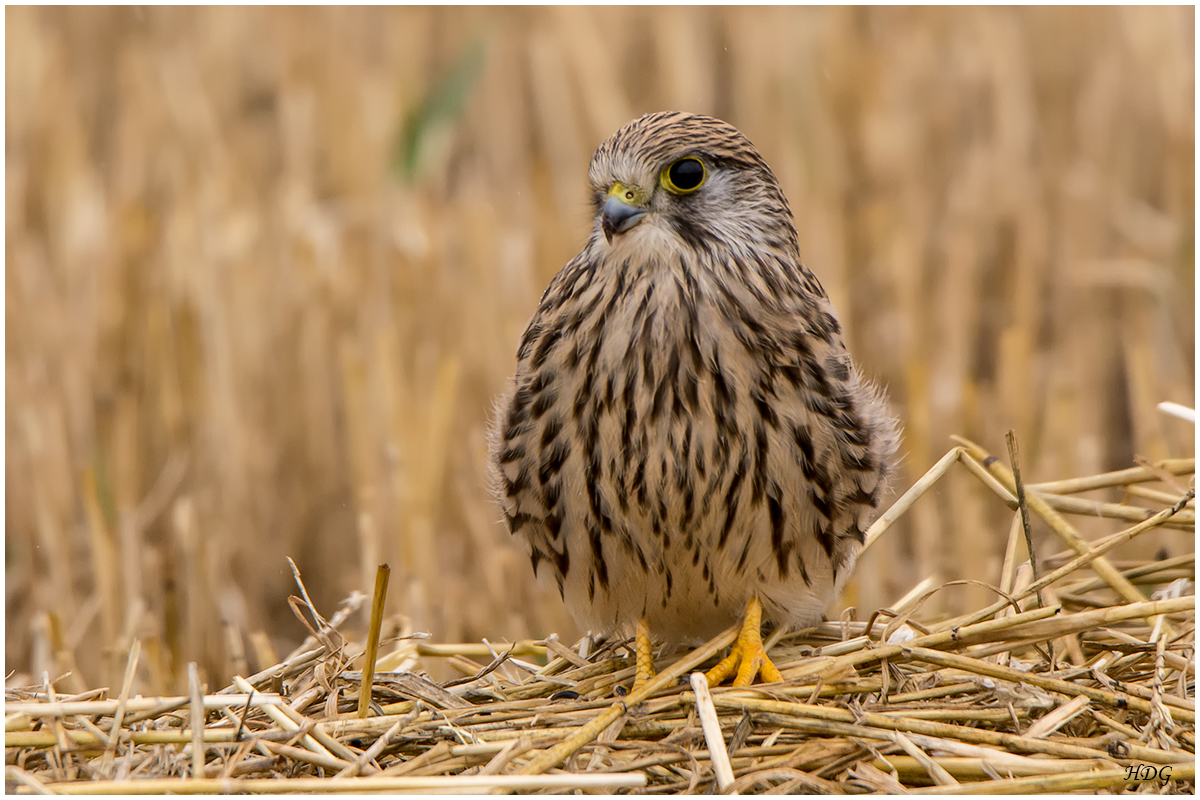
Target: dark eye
<point>685,175</point>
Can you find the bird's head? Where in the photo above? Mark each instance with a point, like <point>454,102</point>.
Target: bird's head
<point>691,177</point>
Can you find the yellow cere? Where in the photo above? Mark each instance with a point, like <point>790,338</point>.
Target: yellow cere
<point>630,195</point>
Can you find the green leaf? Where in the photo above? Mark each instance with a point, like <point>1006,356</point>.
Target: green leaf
<point>442,105</point>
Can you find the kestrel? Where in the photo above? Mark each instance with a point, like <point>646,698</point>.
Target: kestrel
<point>686,441</point>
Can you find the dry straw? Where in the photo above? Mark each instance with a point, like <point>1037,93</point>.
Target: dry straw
<point>1095,692</point>
<point>265,271</point>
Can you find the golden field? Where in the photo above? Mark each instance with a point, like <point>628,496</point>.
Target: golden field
<point>266,270</point>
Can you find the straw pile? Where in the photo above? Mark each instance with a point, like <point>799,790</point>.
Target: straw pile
<point>1071,681</point>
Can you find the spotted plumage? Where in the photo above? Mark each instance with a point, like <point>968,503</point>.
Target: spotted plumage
<point>686,431</point>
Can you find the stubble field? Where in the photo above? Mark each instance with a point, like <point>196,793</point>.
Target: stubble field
<point>266,270</point>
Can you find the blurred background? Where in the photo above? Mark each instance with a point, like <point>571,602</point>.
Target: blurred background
<point>266,270</point>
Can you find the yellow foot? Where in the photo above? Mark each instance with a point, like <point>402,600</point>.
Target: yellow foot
<point>747,655</point>
<point>645,658</point>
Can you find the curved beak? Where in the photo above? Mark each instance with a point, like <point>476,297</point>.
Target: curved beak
<point>618,215</point>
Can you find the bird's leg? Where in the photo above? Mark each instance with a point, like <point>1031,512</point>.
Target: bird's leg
<point>645,658</point>
<point>747,655</point>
